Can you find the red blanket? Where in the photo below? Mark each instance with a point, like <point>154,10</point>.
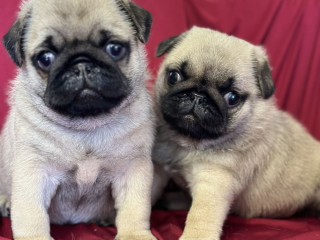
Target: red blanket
<point>168,225</point>
<point>291,34</point>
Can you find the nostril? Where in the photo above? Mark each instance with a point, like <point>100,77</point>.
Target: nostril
<point>77,71</point>
<point>192,96</point>
<point>88,69</point>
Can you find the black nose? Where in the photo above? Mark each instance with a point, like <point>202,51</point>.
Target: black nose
<point>81,65</point>
<point>198,98</point>
<point>82,69</point>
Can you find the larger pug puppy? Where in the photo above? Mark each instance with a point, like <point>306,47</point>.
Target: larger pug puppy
<point>76,146</point>
<point>221,135</point>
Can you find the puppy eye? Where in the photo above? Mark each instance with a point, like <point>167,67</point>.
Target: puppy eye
<point>45,60</point>
<point>174,77</point>
<point>232,99</point>
<point>116,50</point>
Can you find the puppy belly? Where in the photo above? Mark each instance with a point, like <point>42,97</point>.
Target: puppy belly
<point>86,203</point>
<point>269,205</point>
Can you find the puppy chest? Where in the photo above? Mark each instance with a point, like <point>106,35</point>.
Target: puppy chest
<point>87,172</point>
<point>74,202</point>
<point>88,181</point>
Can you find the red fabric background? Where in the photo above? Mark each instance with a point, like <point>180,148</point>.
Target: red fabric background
<point>289,29</point>
<point>168,225</point>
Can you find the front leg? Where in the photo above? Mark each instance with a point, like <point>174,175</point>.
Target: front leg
<point>32,191</point>
<point>132,194</point>
<point>212,191</point>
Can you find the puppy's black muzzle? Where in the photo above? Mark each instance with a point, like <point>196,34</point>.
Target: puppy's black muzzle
<point>85,87</point>
<point>195,114</point>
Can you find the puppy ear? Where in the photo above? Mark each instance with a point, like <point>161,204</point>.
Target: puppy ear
<point>140,18</point>
<point>263,73</point>
<point>13,40</point>
<point>167,45</point>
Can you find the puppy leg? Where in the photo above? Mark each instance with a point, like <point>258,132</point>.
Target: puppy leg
<point>132,193</point>
<point>4,206</point>
<point>32,192</point>
<point>212,193</point>
<point>160,181</point>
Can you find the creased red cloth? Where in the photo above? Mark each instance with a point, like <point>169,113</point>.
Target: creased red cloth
<point>168,225</point>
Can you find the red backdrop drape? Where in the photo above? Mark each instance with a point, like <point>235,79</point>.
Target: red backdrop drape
<point>289,30</point>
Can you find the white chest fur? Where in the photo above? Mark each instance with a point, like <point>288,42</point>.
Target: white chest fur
<point>88,171</point>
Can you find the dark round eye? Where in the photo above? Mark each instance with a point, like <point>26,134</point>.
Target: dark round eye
<point>174,77</point>
<point>116,50</point>
<point>232,99</point>
<point>45,60</point>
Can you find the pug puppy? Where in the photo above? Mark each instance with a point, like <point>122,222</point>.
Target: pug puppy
<point>221,135</point>
<point>76,146</point>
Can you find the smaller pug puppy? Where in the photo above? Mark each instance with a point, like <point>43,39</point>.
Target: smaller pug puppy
<point>76,146</point>
<point>221,135</point>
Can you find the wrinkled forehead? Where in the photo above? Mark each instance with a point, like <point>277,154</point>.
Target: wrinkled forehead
<point>208,48</point>
<point>76,19</point>
<point>211,55</point>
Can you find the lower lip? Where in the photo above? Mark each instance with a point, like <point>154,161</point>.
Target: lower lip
<point>189,117</point>
<point>88,93</point>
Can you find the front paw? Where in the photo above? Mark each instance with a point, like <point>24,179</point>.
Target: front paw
<point>143,235</point>
<point>34,238</point>
<point>196,235</point>
<point>197,238</point>
<point>4,206</point>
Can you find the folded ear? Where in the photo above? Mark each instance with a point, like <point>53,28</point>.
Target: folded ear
<point>140,19</point>
<point>263,73</point>
<point>13,40</point>
<point>168,44</point>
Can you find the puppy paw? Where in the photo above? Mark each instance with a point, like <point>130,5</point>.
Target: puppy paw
<point>4,206</point>
<point>195,235</point>
<point>34,238</point>
<point>143,235</point>
<point>197,238</point>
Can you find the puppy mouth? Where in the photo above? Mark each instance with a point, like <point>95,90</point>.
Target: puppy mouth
<point>88,103</point>
<point>194,114</point>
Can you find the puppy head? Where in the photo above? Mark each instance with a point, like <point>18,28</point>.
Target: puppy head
<point>83,58</point>
<point>210,84</point>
